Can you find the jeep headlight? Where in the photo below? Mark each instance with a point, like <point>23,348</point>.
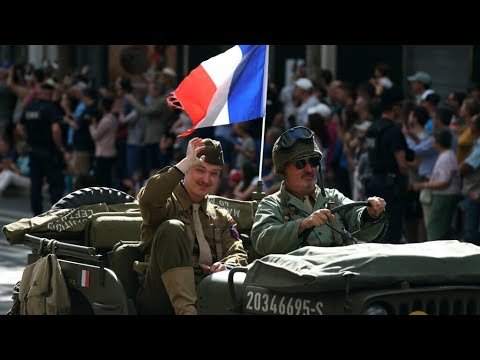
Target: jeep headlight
<point>375,309</point>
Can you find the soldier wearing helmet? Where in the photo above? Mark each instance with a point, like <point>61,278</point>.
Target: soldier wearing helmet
<point>296,215</point>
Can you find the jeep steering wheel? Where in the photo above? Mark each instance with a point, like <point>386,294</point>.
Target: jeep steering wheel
<point>349,205</point>
<point>348,238</point>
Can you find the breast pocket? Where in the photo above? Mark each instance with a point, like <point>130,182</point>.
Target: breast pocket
<point>213,235</point>
<point>209,234</point>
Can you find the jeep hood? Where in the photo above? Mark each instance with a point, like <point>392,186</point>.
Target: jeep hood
<point>318,269</point>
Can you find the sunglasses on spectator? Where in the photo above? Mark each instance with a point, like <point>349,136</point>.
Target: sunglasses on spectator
<point>313,161</point>
<point>290,137</point>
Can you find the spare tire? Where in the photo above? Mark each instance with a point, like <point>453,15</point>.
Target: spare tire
<point>92,195</point>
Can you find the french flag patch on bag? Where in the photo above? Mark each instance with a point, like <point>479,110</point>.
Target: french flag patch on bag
<point>84,278</point>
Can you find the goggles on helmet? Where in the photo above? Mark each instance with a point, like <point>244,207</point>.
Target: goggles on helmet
<point>291,136</point>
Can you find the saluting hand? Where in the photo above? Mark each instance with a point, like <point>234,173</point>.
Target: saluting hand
<point>195,145</point>
<point>377,206</point>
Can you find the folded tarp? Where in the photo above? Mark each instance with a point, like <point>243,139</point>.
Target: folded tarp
<point>62,224</point>
<point>318,269</point>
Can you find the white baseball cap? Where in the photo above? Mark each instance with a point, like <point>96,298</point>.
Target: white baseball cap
<point>321,109</point>
<point>421,76</point>
<point>169,71</point>
<point>304,83</point>
<point>363,126</point>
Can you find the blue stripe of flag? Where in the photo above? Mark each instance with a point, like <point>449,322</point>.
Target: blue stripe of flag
<point>246,91</point>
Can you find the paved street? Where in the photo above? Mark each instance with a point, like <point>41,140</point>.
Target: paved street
<point>12,258</point>
<point>12,261</point>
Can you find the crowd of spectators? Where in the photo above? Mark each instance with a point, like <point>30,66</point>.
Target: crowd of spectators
<point>120,134</point>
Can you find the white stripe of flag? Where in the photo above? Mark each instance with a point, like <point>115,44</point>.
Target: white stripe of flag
<point>85,279</point>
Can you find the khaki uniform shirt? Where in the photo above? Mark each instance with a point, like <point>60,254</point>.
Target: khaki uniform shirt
<point>164,198</point>
<point>275,229</point>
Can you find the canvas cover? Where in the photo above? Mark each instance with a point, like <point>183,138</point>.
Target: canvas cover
<point>104,230</point>
<point>61,224</point>
<point>318,269</point>
<point>243,212</point>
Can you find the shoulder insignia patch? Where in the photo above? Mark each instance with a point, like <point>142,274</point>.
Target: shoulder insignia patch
<point>234,232</point>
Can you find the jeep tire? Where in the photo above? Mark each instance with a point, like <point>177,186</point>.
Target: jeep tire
<point>92,195</point>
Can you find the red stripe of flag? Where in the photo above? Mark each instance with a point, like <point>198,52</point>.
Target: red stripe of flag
<point>195,93</point>
<point>87,279</point>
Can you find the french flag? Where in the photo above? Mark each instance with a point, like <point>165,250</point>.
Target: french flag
<point>84,278</point>
<point>225,89</point>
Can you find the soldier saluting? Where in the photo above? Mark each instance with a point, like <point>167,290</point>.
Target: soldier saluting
<point>185,236</point>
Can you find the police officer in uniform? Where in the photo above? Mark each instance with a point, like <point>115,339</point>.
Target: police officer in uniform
<point>297,215</point>
<point>185,236</point>
<point>387,152</point>
<point>40,124</point>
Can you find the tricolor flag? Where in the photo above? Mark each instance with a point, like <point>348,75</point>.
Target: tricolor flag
<point>84,278</point>
<point>225,89</point>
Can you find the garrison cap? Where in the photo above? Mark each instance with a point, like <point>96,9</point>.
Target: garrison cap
<point>213,152</point>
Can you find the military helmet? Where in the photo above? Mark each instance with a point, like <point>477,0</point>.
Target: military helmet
<point>294,144</point>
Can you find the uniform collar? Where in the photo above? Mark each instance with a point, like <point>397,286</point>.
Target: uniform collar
<point>295,199</point>
<point>185,201</point>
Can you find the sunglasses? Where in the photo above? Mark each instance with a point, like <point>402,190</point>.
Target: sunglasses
<point>290,137</point>
<point>314,162</point>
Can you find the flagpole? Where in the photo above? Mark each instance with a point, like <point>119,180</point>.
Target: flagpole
<point>261,149</point>
<point>259,194</point>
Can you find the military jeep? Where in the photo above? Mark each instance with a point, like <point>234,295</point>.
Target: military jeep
<point>103,266</point>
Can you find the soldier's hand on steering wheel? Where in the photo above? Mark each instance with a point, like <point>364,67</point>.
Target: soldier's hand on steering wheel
<point>376,206</point>
<point>317,218</point>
